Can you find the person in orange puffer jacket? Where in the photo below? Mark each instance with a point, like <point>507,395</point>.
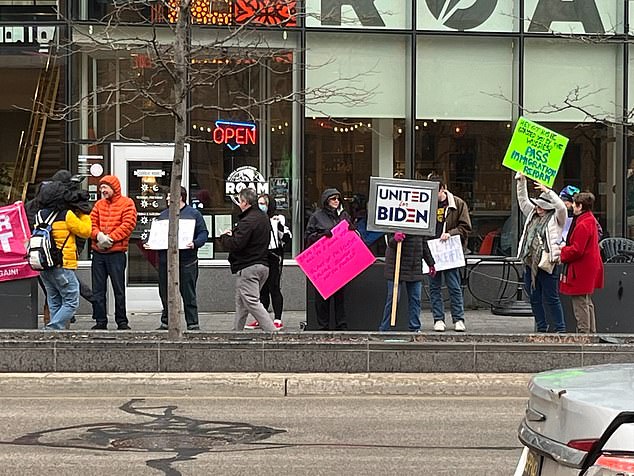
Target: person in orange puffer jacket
<point>113,220</point>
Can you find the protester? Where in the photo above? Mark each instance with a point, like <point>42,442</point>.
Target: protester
<point>414,250</point>
<point>61,284</point>
<point>77,200</point>
<point>452,218</point>
<point>113,220</point>
<point>319,225</point>
<point>248,245</point>
<point>539,250</point>
<point>566,195</point>
<point>583,268</point>
<point>271,292</point>
<point>187,265</point>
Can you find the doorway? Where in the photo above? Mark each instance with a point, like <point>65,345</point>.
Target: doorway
<point>144,171</point>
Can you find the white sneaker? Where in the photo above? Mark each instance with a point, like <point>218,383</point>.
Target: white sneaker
<point>459,326</point>
<point>278,324</point>
<point>439,326</point>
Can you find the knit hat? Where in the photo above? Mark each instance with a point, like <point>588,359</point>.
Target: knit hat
<point>568,192</point>
<point>543,201</point>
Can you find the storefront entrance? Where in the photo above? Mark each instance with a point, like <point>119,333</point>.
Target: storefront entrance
<point>145,173</point>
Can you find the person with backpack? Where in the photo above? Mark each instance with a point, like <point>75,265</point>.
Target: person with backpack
<point>52,250</point>
<point>113,221</point>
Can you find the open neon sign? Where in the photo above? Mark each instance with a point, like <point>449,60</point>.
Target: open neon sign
<point>234,134</point>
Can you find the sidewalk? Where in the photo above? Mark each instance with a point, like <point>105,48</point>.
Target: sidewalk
<point>477,321</point>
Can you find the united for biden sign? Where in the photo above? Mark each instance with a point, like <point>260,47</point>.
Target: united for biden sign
<point>402,205</point>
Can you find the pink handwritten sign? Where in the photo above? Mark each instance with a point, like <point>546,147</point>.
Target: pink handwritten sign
<point>331,263</point>
<point>14,233</point>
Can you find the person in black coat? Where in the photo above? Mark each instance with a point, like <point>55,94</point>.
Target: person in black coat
<point>319,225</point>
<point>413,251</point>
<point>248,245</point>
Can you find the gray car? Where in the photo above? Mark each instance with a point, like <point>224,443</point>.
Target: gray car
<point>579,422</point>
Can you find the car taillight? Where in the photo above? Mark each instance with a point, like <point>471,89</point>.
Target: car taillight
<point>612,465</point>
<point>582,445</point>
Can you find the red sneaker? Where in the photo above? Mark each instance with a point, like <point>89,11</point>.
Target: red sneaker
<point>252,325</point>
<point>278,324</point>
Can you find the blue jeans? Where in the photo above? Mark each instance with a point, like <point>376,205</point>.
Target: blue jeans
<point>453,282</point>
<point>413,294</point>
<point>545,299</point>
<point>62,295</point>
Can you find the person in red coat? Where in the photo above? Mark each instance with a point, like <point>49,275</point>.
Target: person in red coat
<point>583,268</point>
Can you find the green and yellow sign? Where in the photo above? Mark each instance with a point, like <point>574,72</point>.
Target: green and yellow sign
<point>535,151</point>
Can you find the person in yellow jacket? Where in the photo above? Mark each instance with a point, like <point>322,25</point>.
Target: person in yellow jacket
<point>62,286</point>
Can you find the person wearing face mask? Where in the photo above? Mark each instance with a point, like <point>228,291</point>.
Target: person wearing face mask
<point>539,250</point>
<point>271,292</point>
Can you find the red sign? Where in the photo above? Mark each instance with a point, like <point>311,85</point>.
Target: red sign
<point>14,234</point>
<point>234,134</point>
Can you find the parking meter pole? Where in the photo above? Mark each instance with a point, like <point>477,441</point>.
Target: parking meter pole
<point>397,272</point>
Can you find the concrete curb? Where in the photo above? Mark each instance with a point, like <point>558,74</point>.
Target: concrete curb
<point>197,385</point>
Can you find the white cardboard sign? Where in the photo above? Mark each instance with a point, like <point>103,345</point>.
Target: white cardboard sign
<point>159,231</point>
<point>447,254</point>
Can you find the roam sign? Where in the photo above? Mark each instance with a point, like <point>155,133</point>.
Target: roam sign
<point>234,134</point>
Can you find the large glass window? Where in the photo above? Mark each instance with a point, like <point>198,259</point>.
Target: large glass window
<point>586,90</point>
<point>467,154</point>
<point>119,96</point>
<point>463,106</point>
<point>464,78</point>
<point>241,134</point>
<point>356,109</point>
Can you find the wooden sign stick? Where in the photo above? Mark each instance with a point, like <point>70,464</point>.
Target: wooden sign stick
<point>397,272</point>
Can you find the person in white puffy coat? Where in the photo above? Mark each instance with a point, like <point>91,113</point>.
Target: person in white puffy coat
<point>539,250</point>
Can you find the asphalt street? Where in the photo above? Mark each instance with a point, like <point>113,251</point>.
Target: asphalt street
<point>172,432</point>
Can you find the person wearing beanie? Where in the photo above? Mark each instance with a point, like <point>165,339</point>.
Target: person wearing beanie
<point>113,220</point>
<point>539,250</point>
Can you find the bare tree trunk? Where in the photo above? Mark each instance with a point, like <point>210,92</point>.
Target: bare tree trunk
<point>181,66</point>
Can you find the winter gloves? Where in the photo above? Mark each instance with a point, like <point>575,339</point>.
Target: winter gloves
<point>399,236</point>
<point>104,241</point>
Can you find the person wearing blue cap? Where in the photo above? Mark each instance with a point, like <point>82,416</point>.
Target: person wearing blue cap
<point>567,194</point>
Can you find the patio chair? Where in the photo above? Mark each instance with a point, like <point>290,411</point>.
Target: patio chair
<point>617,250</point>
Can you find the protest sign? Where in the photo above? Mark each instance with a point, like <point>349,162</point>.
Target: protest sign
<point>535,151</point>
<point>447,254</point>
<point>332,262</point>
<point>402,205</point>
<point>160,229</point>
<point>14,234</point>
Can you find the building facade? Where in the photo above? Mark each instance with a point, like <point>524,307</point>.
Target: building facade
<point>297,96</point>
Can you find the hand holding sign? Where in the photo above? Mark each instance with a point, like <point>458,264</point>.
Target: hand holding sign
<point>330,263</point>
<point>535,151</point>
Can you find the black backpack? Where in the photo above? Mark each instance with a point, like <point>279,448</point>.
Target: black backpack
<point>41,251</point>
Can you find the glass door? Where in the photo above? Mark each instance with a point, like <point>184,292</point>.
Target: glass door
<point>145,173</point>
